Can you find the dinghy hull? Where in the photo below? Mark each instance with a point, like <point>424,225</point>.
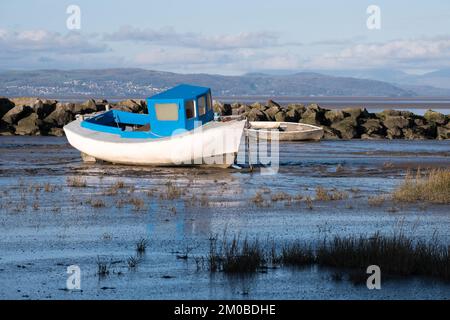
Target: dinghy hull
<point>214,144</point>
<point>291,131</point>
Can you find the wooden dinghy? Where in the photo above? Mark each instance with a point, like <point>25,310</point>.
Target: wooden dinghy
<point>286,131</point>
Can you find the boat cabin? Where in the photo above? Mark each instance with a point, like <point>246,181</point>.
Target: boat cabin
<point>178,109</point>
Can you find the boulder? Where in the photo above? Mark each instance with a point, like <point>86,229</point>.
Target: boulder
<point>408,114</point>
<point>280,116</point>
<point>224,109</point>
<point>17,113</point>
<point>24,101</point>
<point>420,133</point>
<point>271,112</point>
<point>373,127</point>
<point>313,115</point>
<point>443,132</point>
<point>435,117</point>
<point>5,106</point>
<point>330,134</point>
<point>373,136</point>
<point>58,132</point>
<point>241,110</point>
<point>236,105</point>
<point>394,133</point>
<point>258,106</point>
<point>256,115</point>
<point>292,115</point>
<point>347,128</point>
<point>419,121</point>
<point>388,113</point>
<point>101,104</point>
<point>357,113</point>
<point>43,107</point>
<point>300,108</point>
<point>5,128</point>
<point>61,116</point>
<point>396,122</point>
<point>271,103</point>
<point>334,116</point>
<point>29,125</point>
<point>88,106</point>
<point>130,105</point>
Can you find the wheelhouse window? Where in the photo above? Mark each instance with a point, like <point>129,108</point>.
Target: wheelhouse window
<point>208,102</point>
<point>166,111</point>
<point>201,102</point>
<point>189,106</point>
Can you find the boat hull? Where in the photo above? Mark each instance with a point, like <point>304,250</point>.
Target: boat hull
<point>214,144</point>
<point>268,130</point>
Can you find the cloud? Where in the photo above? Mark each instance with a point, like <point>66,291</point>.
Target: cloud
<point>168,36</point>
<point>228,62</point>
<point>412,53</point>
<point>24,42</point>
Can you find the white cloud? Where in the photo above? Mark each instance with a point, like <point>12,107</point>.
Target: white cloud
<point>168,36</point>
<point>227,62</point>
<point>413,53</point>
<point>24,42</point>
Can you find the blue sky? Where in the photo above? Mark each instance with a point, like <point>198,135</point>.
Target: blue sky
<point>226,37</point>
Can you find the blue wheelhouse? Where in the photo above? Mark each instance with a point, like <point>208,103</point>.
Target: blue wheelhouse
<point>176,110</point>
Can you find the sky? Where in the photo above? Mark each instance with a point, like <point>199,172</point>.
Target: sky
<point>226,37</point>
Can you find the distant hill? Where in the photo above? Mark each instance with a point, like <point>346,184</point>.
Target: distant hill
<point>138,83</point>
<point>436,83</point>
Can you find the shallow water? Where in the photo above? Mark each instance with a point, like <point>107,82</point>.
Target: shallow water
<point>42,232</point>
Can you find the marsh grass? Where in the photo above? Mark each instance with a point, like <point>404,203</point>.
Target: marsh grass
<point>49,188</point>
<point>433,187</point>
<point>76,182</point>
<point>141,246</point>
<point>309,203</point>
<point>258,199</point>
<point>297,254</point>
<point>396,255</point>
<point>281,196</point>
<point>172,192</point>
<point>324,195</point>
<point>133,262</point>
<point>103,266</point>
<point>96,203</point>
<point>376,201</point>
<point>137,203</point>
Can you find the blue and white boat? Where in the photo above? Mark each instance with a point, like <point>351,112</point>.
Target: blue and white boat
<point>179,129</point>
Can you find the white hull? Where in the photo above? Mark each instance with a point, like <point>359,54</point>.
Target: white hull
<point>215,143</point>
<point>291,131</point>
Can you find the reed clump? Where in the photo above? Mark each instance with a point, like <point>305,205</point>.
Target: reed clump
<point>97,203</point>
<point>172,192</point>
<point>141,246</point>
<point>76,182</point>
<point>396,255</point>
<point>323,194</point>
<point>433,187</point>
<point>237,256</point>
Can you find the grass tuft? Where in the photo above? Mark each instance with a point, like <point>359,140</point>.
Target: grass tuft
<point>141,246</point>
<point>433,187</point>
<point>76,182</point>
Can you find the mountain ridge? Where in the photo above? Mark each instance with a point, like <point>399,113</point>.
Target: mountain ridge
<point>126,82</point>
